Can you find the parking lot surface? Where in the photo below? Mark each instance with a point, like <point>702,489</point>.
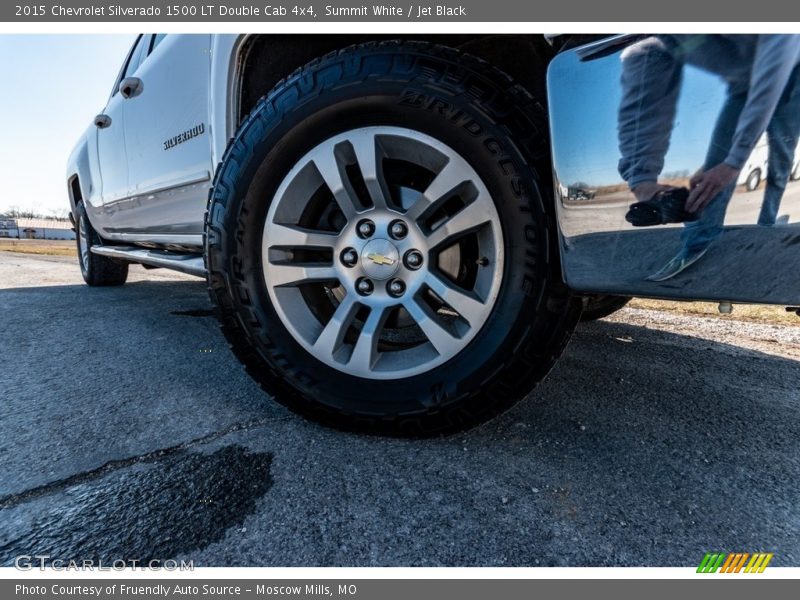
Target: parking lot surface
<point>129,431</point>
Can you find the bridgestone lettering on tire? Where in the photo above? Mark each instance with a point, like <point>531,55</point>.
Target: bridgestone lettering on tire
<point>380,247</point>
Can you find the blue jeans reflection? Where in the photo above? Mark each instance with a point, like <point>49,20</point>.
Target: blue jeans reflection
<point>782,136</point>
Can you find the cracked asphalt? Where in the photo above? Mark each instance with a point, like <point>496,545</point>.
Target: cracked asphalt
<point>128,430</point>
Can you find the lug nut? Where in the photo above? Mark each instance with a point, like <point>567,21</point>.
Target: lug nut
<point>366,228</point>
<point>364,286</point>
<point>349,257</point>
<point>398,230</point>
<point>413,259</point>
<point>396,287</point>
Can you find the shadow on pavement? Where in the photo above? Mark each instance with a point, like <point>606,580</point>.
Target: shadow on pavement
<point>641,448</point>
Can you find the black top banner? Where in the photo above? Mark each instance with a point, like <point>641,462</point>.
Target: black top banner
<point>465,11</point>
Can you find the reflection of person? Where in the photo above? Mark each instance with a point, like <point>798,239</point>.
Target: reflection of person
<point>782,134</point>
<point>763,80</point>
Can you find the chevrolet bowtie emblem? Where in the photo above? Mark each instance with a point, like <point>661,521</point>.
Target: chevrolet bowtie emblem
<point>380,259</point>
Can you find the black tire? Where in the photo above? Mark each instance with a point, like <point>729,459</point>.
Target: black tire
<point>96,270</point>
<point>753,180</point>
<point>466,104</point>
<point>599,307</point>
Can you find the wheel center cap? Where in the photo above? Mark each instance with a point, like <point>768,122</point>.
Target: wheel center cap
<point>380,259</point>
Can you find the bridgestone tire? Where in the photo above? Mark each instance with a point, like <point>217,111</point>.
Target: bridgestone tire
<point>97,270</point>
<point>501,130</point>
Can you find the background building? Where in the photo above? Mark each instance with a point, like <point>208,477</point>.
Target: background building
<point>36,228</point>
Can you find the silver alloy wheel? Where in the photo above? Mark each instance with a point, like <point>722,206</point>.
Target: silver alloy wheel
<point>342,245</point>
<point>83,244</point>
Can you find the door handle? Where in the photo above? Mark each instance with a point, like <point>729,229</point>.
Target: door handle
<point>130,87</point>
<point>102,121</point>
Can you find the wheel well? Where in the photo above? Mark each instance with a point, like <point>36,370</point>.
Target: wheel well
<point>266,59</point>
<point>75,195</point>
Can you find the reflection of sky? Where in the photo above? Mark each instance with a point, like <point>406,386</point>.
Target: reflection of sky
<point>584,99</point>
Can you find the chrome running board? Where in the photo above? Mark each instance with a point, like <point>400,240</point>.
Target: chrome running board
<point>192,264</point>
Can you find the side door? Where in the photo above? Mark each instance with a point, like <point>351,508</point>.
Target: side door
<point>112,157</point>
<point>167,138</point>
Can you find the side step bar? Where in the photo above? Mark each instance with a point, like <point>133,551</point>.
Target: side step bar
<point>192,264</point>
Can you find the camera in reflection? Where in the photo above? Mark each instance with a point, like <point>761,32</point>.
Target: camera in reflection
<point>660,209</point>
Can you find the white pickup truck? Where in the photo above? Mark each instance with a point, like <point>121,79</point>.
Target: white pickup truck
<point>378,223</point>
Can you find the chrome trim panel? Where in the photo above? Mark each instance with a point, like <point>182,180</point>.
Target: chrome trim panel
<point>175,182</point>
<point>745,258</point>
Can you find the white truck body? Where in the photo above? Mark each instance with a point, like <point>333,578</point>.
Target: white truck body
<point>145,177</point>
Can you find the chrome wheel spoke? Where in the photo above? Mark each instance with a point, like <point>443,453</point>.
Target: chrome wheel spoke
<point>330,169</point>
<point>291,236</point>
<point>440,338</point>
<point>284,274</point>
<point>466,304</point>
<point>368,156</point>
<point>470,218</point>
<point>332,335</point>
<point>365,352</point>
<point>453,174</point>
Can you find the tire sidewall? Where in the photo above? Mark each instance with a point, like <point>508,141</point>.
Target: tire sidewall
<point>84,229</point>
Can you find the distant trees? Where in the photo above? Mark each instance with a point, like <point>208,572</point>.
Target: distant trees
<point>14,212</point>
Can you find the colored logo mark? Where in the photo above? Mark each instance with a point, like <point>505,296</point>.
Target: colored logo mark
<point>735,562</point>
<point>380,259</point>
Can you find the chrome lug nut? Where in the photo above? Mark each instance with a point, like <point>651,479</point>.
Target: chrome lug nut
<point>366,228</point>
<point>398,230</point>
<point>396,287</point>
<point>413,259</point>
<point>364,286</point>
<point>349,257</point>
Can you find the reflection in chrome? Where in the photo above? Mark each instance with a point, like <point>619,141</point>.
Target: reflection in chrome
<point>382,252</point>
<point>718,115</point>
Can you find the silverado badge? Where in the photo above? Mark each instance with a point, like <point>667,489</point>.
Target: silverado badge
<point>185,136</point>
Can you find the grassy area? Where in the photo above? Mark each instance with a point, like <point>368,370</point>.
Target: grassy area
<point>47,247</point>
<point>741,312</point>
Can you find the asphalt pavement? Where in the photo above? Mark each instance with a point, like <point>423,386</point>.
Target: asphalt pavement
<point>129,431</point>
